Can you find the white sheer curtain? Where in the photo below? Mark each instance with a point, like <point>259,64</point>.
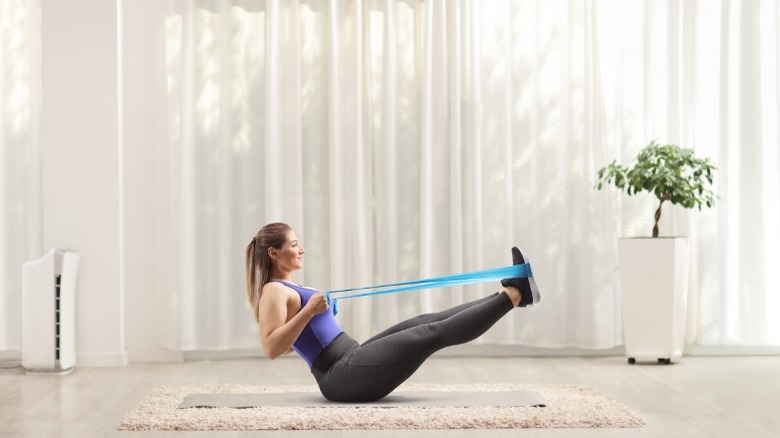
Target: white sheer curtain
<point>405,139</point>
<point>704,74</point>
<point>20,222</point>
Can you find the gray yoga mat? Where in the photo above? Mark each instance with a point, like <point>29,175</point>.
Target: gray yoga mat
<point>394,400</point>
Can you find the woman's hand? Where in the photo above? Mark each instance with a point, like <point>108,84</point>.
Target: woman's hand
<point>316,304</point>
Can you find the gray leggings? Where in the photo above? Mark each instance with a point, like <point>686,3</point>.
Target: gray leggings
<point>347,371</point>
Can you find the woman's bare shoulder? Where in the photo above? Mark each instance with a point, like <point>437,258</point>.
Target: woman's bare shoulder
<point>277,291</point>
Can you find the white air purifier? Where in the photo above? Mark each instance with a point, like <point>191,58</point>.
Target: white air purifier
<point>48,312</point>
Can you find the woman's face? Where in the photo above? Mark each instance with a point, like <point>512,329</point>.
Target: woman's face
<point>290,257</point>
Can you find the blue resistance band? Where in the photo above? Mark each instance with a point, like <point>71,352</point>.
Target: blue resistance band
<point>514,271</point>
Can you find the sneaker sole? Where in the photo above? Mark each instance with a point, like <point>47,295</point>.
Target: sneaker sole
<point>535,295</point>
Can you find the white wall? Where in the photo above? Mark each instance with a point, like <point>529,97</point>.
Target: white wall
<point>146,187</point>
<point>104,165</point>
<point>80,164</point>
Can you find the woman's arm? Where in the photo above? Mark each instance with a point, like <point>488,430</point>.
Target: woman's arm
<point>276,333</point>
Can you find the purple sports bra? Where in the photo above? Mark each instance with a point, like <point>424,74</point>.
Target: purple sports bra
<point>321,330</point>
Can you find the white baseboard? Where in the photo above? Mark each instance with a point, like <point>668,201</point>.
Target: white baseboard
<point>82,359</point>
<point>10,359</point>
<point>11,355</point>
<point>483,350</point>
<point>118,359</point>
<point>496,350</point>
<point>731,350</point>
<point>158,355</point>
<point>492,350</point>
<point>226,354</point>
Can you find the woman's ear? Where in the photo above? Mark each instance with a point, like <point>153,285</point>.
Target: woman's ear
<point>271,252</point>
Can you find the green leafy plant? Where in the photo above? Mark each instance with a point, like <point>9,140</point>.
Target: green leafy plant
<point>669,172</point>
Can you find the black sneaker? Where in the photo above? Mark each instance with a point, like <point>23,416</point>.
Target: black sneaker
<point>529,293</point>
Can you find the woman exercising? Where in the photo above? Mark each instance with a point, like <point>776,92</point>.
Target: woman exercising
<point>293,317</point>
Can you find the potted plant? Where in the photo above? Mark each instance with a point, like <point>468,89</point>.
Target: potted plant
<point>654,271</point>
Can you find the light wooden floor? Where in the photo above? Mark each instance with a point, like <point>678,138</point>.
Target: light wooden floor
<point>696,397</point>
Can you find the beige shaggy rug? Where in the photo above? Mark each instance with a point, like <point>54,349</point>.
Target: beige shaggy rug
<point>568,406</point>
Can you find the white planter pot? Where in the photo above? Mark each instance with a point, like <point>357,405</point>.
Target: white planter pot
<point>654,283</point>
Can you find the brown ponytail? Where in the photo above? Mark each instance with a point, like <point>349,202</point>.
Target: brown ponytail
<point>273,235</point>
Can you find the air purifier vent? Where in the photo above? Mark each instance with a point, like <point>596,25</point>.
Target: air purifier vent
<point>58,308</point>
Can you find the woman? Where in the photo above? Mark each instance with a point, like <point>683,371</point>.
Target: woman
<point>293,317</point>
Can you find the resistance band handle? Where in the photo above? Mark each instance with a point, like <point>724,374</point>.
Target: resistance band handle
<point>333,303</point>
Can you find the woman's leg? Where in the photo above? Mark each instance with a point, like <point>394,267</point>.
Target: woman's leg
<point>427,318</point>
<point>373,370</point>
